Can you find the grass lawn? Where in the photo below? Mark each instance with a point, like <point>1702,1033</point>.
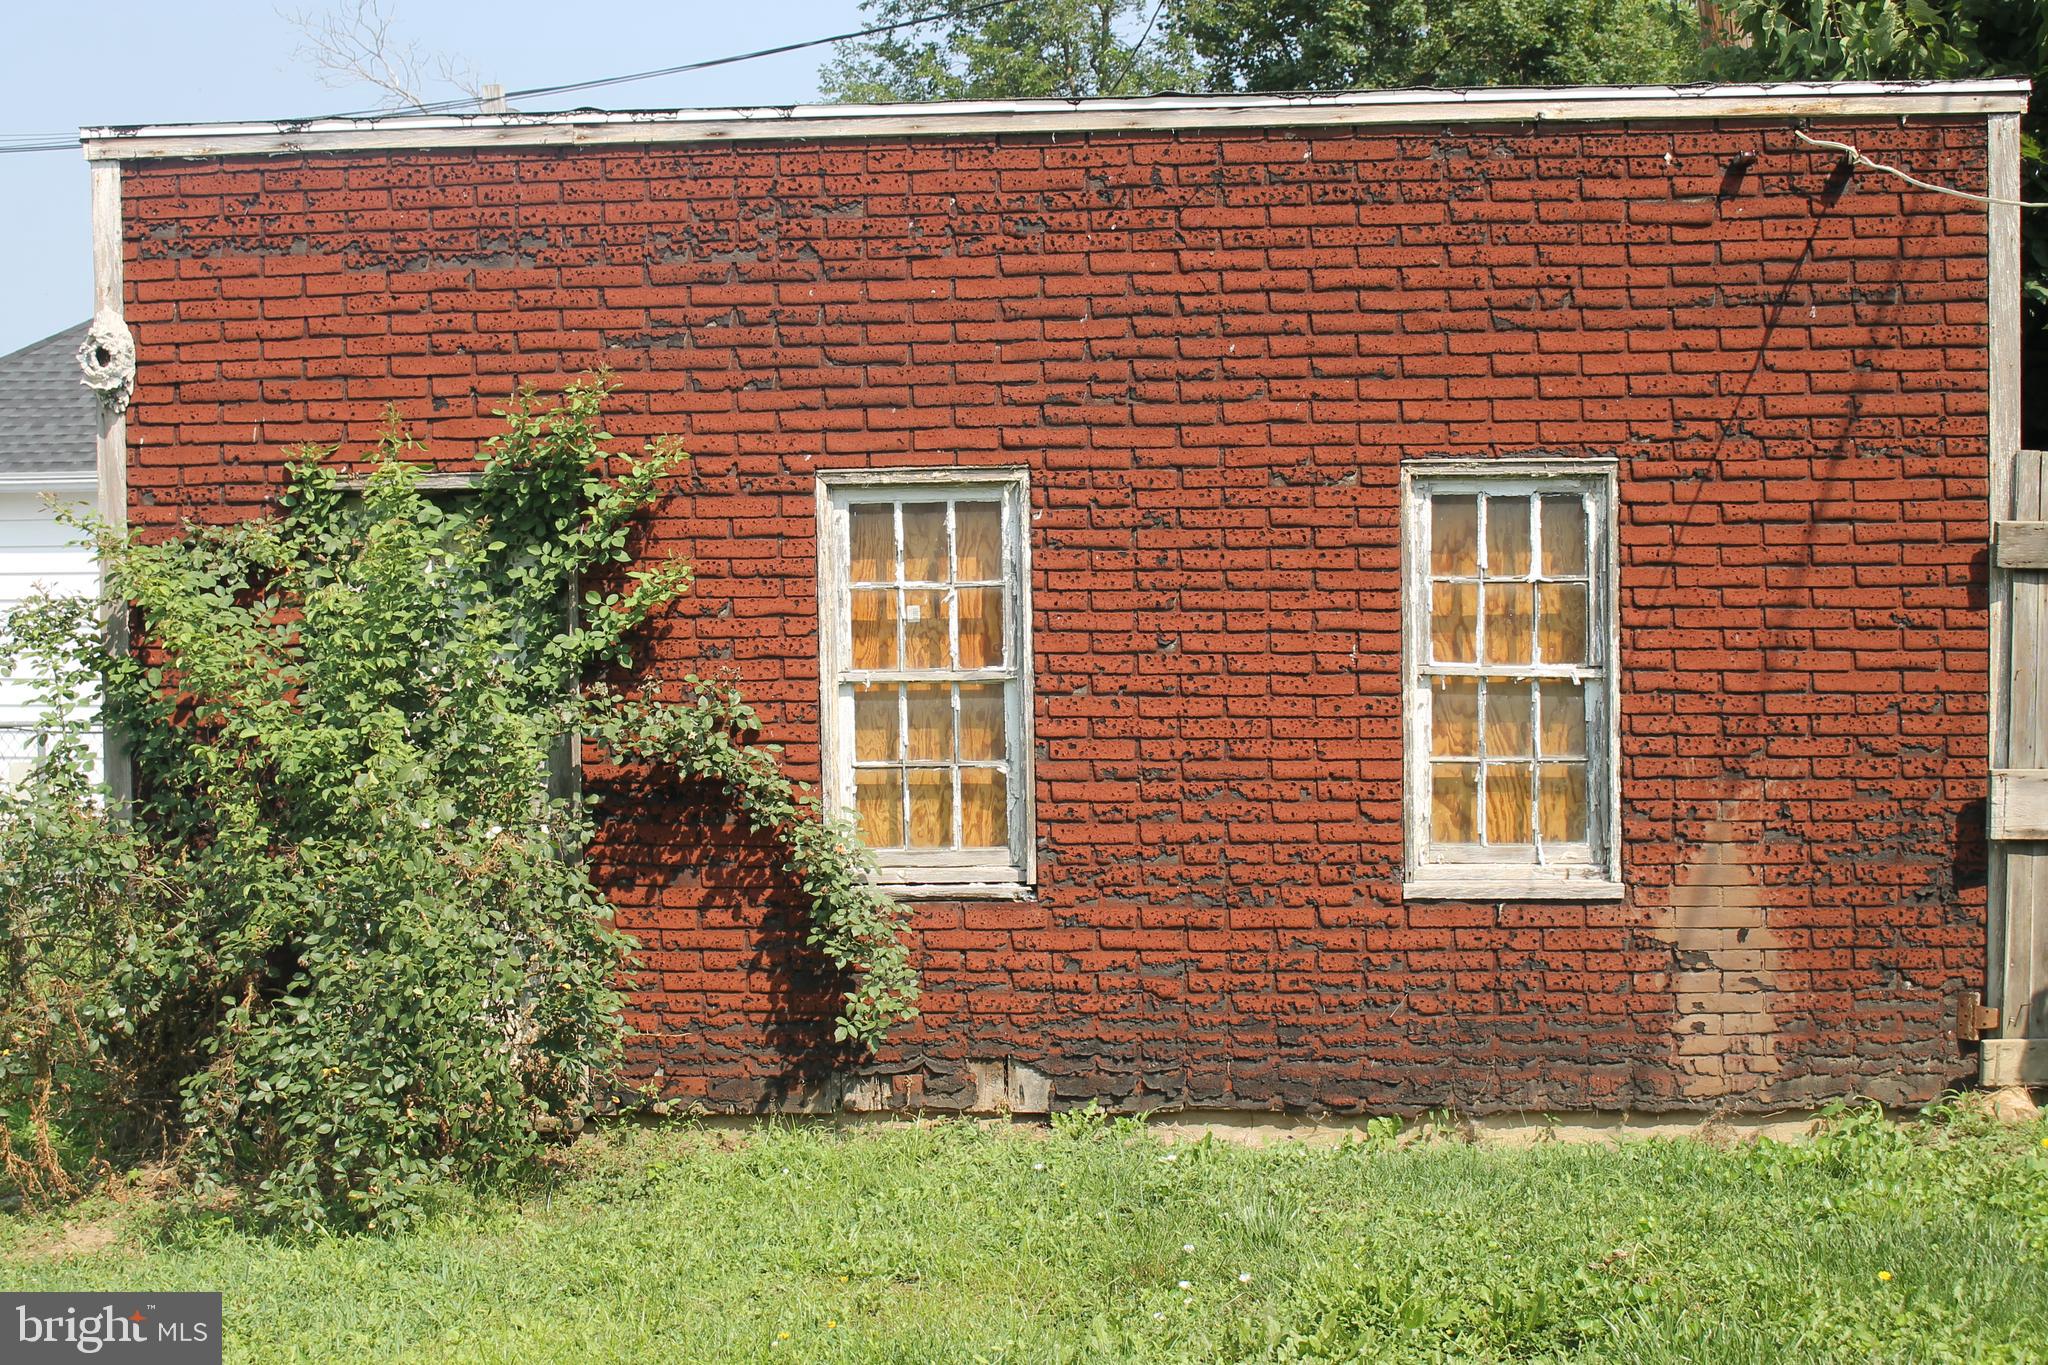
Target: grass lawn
<point>961,1242</point>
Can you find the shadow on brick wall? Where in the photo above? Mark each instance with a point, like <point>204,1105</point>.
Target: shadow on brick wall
<point>728,1005</point>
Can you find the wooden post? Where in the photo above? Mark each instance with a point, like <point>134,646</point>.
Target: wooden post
<point>112,446</point>
<point>2016,824</point>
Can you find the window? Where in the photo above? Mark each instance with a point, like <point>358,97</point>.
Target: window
<point>454,495</point>
<point>925,625</point>
<point>1510,694</point>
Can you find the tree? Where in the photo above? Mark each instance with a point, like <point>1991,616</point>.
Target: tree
<point>1366,44</point>
<point>1919,40</point>
<point>1068,48</point>
<point>1882,39</point>
<point>356,43</point>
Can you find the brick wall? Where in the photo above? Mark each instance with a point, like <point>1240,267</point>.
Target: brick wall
<point>1213,351</point>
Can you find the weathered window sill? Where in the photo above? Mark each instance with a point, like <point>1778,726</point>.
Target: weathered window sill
<point>958,891</point>
<point>1523,884</point>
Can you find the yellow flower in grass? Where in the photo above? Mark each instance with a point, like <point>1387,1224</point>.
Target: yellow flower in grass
<point>1884,1275</point>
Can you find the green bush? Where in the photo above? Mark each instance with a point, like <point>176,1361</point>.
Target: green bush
<point>76,891</point>
<point>346,921</point>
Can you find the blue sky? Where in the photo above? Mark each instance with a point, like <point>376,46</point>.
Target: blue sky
<point>63,66</point>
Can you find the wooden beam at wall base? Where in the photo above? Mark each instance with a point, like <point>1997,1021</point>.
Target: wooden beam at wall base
<point>2013,1061</point>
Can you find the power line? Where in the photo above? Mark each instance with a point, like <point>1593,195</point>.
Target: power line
<point>444,106</point>
<point>52,142</point>
<point>1131,57</point>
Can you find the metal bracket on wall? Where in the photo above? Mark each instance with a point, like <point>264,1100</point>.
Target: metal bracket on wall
<point>1974,1018</point>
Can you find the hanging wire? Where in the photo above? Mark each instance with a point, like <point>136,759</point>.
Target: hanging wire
<point>1131,57</point>
<point>47,142</point>
<point>55,142</point>
<point>934,16</point>
<point>1857,158</point>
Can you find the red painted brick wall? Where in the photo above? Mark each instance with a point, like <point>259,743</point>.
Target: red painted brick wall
<point>1213,351</point>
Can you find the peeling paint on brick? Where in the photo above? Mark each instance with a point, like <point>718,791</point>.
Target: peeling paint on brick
<point>1213,351</point>
<point>1724,980</point>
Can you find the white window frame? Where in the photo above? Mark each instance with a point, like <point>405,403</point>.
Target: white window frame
<point>1473,876</point>
<point>938,873</point>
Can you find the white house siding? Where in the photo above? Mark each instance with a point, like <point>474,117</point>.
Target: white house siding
<point>36,550</point>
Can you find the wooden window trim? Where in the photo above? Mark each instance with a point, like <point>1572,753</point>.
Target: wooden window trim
<point>1507,877</point>
<point>947,874</point>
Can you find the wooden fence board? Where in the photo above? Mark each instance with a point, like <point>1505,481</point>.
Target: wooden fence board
<point>2017,813</point>
<point>2020,544</point>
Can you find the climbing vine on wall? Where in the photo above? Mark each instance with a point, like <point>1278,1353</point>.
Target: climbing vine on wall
<point>358,941</point>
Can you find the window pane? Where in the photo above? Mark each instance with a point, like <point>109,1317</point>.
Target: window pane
<point>1562,813</point>
<point>1507,537</point>
<point>1564,720</point>
<point>1454,717</point>
<point>1562,637</point>
<point>924,542</point>
<point>874,627</point>
<point>875,728</point>
<point>1453,607</point>
<point>871,533</point>
<point>981,627</point>
<point>984,808</point>
<point>878,796</point>
<point>1454,803</point>
<point>1454,535</point>
<point>981,721</point>
<point>1507,719</point>
<point>931,807</point>
<point>1507,623</point>
<point>1510,754</point>
<point>978,538</point>
<point>930,708</point>
<point>924,628</point>
<point>1507,803</point>
<point>1564,534</point>
<point>928,603</point>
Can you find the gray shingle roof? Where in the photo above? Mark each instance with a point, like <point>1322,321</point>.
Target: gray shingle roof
<point>49,422</point>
